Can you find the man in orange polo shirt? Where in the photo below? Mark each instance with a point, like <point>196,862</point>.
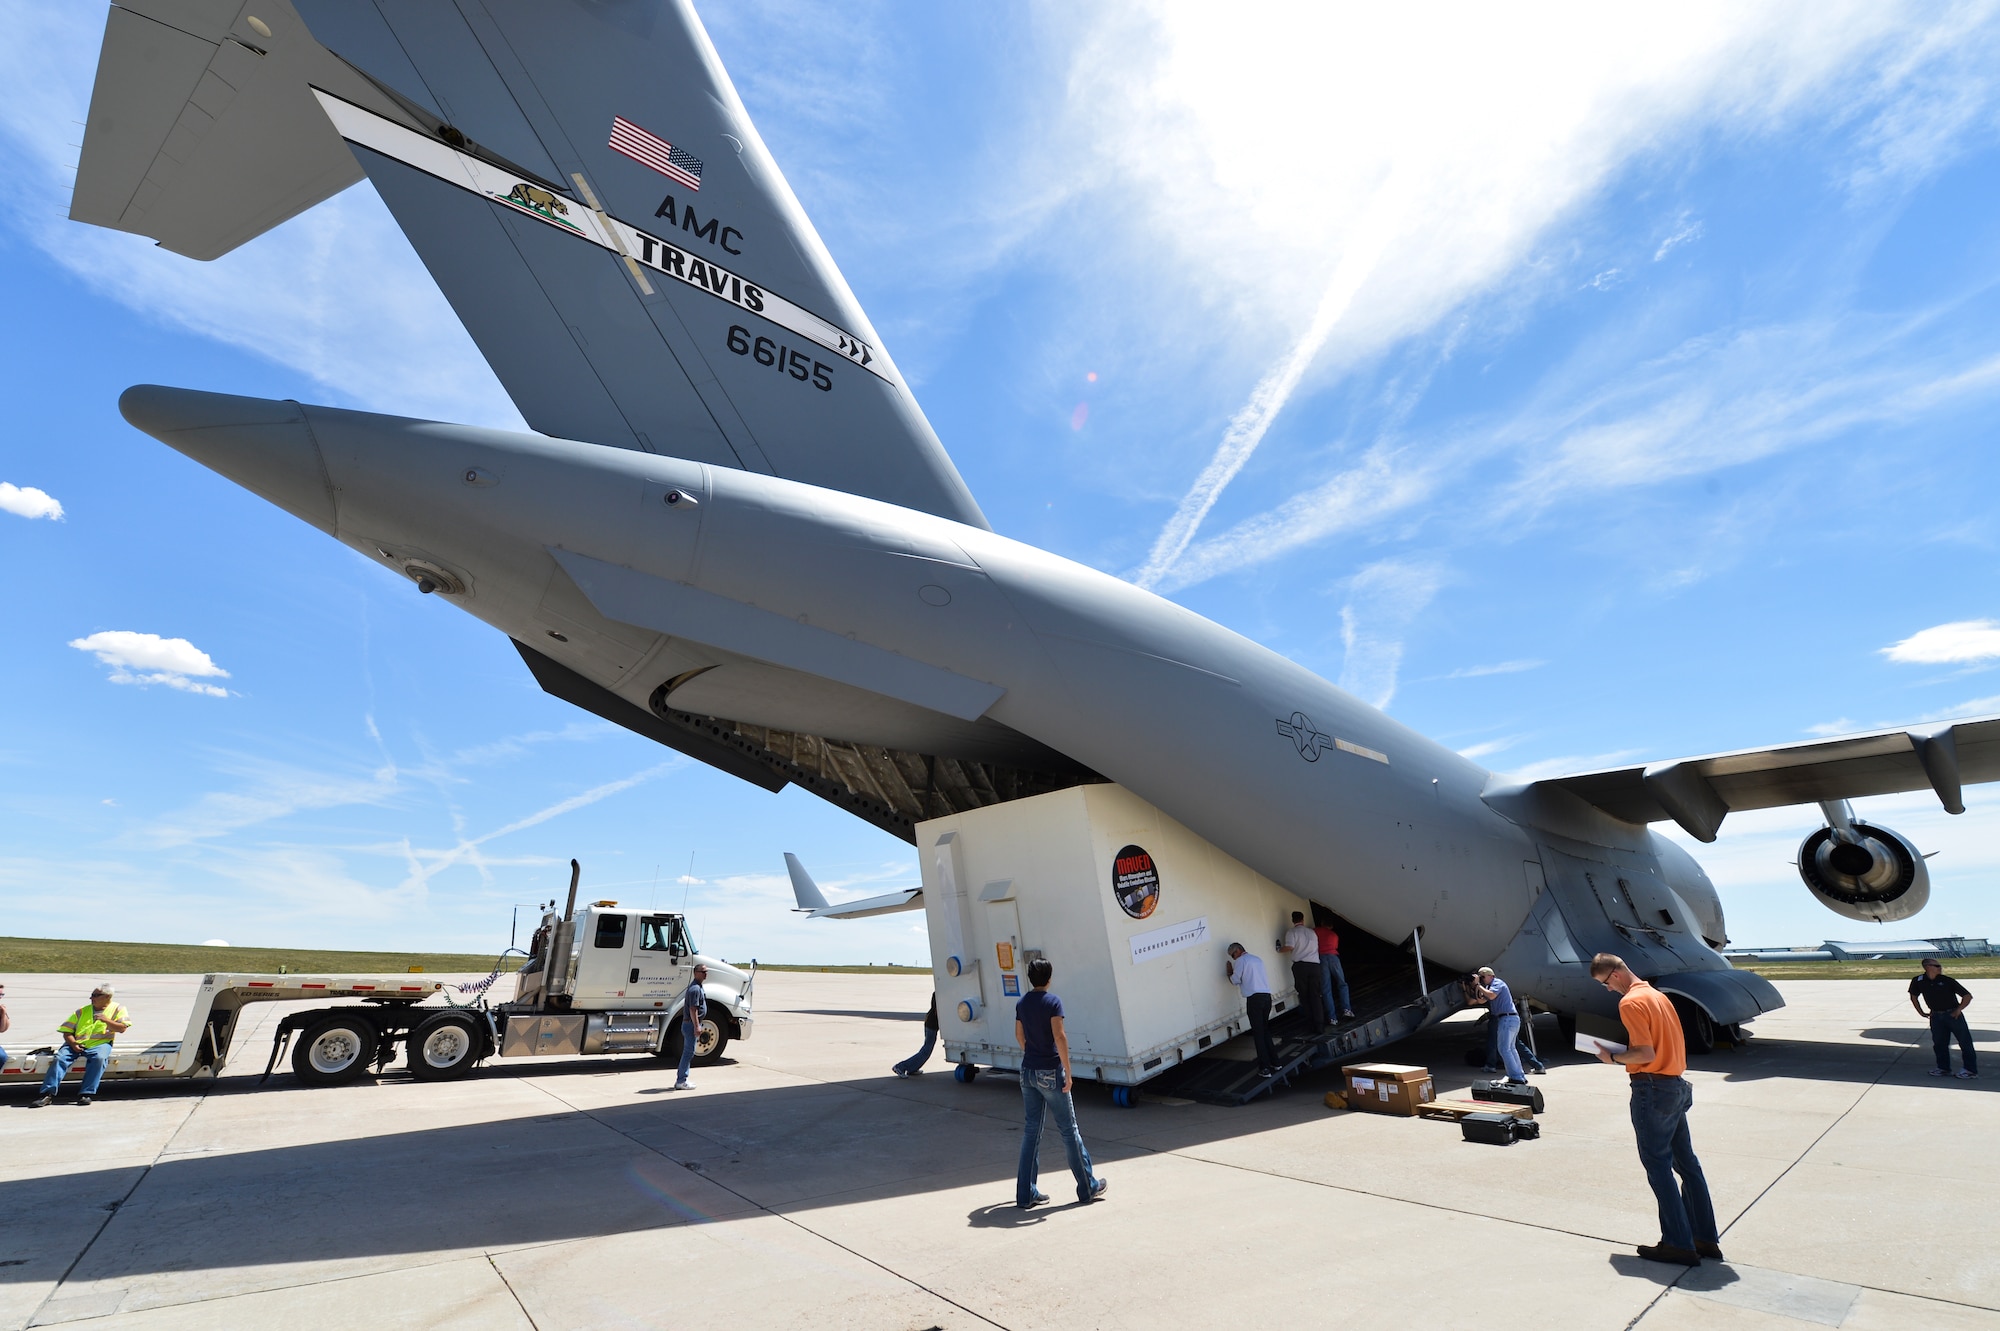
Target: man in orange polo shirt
<point>1656,1057</point>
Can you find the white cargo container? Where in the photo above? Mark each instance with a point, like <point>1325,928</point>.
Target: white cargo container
<point>1135,912</point>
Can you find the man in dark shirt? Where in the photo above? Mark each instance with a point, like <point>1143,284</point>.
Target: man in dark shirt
<point>1045,1083</point>
<point>1946,1000</point>
<point>694,1007</point>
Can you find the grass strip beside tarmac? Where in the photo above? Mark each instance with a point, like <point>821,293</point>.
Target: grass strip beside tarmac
<point>28,956</point>
<point>1965,968</point>
<point>71,956</point>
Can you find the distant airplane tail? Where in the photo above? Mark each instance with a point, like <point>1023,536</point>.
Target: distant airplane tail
<point>803,887</point>
<point>813,903</point>
<point>584,185</point>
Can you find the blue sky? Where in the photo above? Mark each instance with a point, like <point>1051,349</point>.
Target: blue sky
<point>1583,385</point>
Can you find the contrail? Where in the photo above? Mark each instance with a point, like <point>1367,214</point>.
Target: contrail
<point>1247,428</point>
<point>446,859</point>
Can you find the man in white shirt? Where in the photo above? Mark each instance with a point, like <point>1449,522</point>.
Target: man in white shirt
<point>1246,972</point>
<point>1302,945</point>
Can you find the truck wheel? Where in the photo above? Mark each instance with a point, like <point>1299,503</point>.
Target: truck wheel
<point>337,1048</point>
<point>710,1043</point>
<point>443,1048</point>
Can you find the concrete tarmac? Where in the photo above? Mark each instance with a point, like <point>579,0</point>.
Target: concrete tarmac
<point>800,1185</point>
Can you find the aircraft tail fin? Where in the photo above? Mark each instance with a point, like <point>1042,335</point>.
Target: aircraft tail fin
<point>803,887</point>
<point>581,180</point>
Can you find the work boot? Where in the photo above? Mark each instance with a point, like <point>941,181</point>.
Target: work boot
<point>41,1102</point>
<point>1709,1250</point>
<point>1664,1252</point>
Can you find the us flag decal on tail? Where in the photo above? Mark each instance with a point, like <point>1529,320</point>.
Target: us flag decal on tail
<point>655,153</point>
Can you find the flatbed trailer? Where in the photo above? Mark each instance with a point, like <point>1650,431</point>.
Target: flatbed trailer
<point>603,981</point>
<point>204,1048</point>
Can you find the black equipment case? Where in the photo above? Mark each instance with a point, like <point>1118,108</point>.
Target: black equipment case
<point>1492,1129</point>
<point>1500,1092</point>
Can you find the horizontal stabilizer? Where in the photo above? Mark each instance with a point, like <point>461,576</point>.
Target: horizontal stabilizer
<point>1697,793</point>
<point>909,898</point>
<point>203,130</point>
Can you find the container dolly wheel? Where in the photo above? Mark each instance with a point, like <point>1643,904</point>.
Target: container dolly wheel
<point>964,1072</point>
<point>1125,1097</point>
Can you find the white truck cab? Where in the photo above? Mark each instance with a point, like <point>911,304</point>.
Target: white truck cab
<point>631,966</point>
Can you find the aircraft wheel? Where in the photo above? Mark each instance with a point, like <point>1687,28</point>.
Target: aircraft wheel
<point>444,1048</point>
<point>1697,1028</point>
<point>337,1048</point>
<point>964,1072</point>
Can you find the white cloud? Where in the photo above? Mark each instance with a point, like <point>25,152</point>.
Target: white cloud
<point>1570,765</point>
<point>1498,668</point>
<point>1970,707</point>
<point>1383,600</point>
<point>147,658</point>
<point>270,791</point>
<point>1487,748</point>
<point>1960,642</point>
<point>1685,233</point>
<point>336,294</point>
<point>1844,726</point>
<point>1366,170</point>
<point>27,502</point>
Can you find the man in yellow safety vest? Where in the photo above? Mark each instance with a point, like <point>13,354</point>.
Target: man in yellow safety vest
<point>87,1034</point>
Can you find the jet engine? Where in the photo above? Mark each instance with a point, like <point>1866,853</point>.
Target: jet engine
<point>1862,871</point>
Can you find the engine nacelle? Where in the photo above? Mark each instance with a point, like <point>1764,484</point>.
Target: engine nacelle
<point>1865,872</point>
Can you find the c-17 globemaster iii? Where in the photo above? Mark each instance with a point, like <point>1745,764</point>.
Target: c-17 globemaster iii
<point>736,533</point>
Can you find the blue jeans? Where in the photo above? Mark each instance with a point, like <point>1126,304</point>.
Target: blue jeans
<point>922,1056</point>
<point>1659,1118</point>
<point>1042,1088</point>
<point>1334,985</point>
<point>94,1059</point>
<point>1943,1027</point>
<point>690,1036</point>
<point>1521,1047</point>
<point>1507,1033</point>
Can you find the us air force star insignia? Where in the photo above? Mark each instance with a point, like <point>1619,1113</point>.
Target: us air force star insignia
<point>1299,730</point>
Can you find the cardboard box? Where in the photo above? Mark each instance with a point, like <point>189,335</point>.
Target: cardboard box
<point>1388,1088</point>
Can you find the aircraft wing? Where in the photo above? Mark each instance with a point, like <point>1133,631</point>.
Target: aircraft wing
<point>1698,792</point>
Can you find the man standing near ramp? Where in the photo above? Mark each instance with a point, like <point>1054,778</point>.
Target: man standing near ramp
<point>1045,1086</point>
<point>1656,1058</point>
<point>87,1033</point>
<point>1301,944</point>
<point>1947,1000</point>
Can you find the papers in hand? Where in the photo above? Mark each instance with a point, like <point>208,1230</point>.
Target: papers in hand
<point>1590,1044</point>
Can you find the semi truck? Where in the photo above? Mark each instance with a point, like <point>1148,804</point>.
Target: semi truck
<point>606,980</point>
